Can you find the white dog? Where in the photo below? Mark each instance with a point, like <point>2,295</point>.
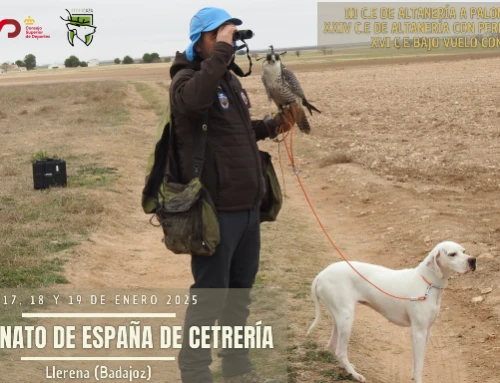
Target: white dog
<point>340,288</point>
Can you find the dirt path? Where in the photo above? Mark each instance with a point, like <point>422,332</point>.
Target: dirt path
<point>371,218</point>
<point>127,252</point>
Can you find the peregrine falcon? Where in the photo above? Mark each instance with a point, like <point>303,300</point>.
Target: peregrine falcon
<point>283,88</point>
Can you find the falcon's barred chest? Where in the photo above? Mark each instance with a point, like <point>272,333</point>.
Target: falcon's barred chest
<point>284,88</point>
<point>277,89</point>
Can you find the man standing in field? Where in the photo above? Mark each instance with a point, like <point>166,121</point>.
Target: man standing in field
<point>233,175</point>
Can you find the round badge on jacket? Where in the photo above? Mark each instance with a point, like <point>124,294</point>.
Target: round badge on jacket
<point>224,101</point>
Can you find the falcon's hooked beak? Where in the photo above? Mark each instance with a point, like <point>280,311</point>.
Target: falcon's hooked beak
<point>272,58</point>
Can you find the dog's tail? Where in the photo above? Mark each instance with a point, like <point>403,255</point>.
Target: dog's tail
<point>316,305</point>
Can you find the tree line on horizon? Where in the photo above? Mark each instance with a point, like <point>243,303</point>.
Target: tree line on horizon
<point>74,62</point>
<point>29,62</point>
<point>147,58</point>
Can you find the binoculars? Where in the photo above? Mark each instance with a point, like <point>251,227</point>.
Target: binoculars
<point>244,34</point>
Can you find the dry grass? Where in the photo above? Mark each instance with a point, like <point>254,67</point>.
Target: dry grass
<point>334,158</point>
<point>45,109</point>
<point>52,103</point>
<point>41,227</point>
<point>149,95</point>
<point>9,171</point>
<point>164,85</point>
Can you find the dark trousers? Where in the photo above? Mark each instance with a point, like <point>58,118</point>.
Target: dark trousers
<point>222,288</point>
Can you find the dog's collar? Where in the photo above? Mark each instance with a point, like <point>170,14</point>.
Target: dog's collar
<point>429,283</point>
<point>429,287</point>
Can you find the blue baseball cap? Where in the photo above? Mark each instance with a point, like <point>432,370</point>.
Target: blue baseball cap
<point>205,20</point>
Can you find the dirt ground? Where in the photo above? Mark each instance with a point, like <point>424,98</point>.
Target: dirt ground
<point>419,140</point>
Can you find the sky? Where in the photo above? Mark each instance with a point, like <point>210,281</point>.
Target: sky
<point>135,27</point>
<point>132,27</point>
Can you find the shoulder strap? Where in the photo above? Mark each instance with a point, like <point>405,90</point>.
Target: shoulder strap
<point>200,141</point>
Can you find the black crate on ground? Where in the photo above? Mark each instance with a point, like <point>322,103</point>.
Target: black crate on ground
<point>49,172</point>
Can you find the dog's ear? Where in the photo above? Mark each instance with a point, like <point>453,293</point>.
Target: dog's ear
<point>433,263</point>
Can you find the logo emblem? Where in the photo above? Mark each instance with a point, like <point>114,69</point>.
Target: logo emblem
<point>80,25</point>
<point>16,25</point>
<point>224,101</point>
<point>29,21</point>
<point>244,97</point>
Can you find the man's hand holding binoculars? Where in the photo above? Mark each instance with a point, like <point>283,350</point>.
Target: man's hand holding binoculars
<point>229,34</point>
<point>225,33</point>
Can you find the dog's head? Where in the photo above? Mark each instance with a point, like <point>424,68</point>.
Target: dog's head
<point>448,257</point>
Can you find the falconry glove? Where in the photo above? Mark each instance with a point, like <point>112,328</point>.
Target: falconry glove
<point>282,121</point>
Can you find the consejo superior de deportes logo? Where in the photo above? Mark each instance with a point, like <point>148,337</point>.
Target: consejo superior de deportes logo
<point>80,25</point>
<point>14,23</point>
